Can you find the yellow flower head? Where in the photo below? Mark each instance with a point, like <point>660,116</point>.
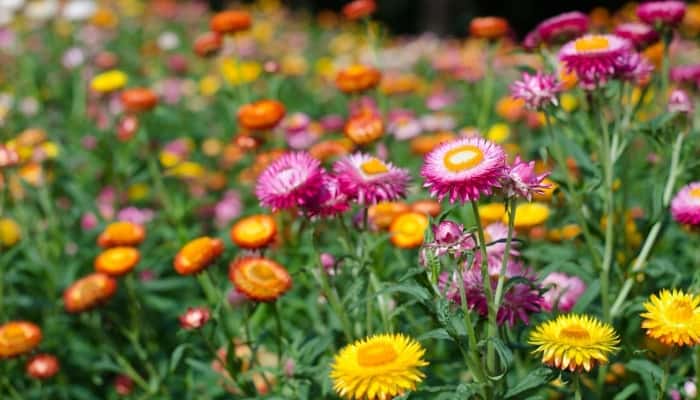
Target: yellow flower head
<point>673,318</point>
<point>379,367</point>
<point>491,212</point>
<point>109,81</point>
<point>9,232</point>
<point>237,72</point>
<point>574,342</point>
<point>498,132</point>
<point>529,215</point>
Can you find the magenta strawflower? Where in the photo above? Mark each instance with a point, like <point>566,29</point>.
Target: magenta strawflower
<point>633,67</point>
<point>519,300</point>
<point>369,180</point>
<point>563,291</point>
<point>450,238</point>
<point>661,13</point>
<point>537,90</point>
<point>562,27</point>
<point>464,169</point>
<point>330,199</point>
<point>685,207</point>
<point>680,102</point>
<point>290,181</point>
<point>639,34</point>
<point>521,180</point>
<point>689,74</point>
<point>595,58</point>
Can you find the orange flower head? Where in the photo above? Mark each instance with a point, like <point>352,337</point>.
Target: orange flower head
<point>18,337</point>
<point>254,232</point>
<point>88,292</point>
<point>231,21</point>
<point>42,366</point>
<point>424,144</point>
<point>383,213</point>
<point>136,100</point>
<point>364,128</point>
<point>358,9</point>
<point>428,207</point>
<point>259,278</point>
<point>357,78</point>
<point>208,44</point>
<point>121,233</point>
<point>328,149</point>
<point>117,261</point>
<point>261,115</point>
<point>408,229</point>
<point>510,108</point>
<point>488,27</point>
<point>197,255</point>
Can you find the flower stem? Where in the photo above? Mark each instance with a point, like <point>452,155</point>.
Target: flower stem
<point>510,206</point>
<point>278,325</point>
<point>674,172</point>
<point>471,357</point>
<point>577,387</point>
<point>608,159</point>
<point>486,279</point>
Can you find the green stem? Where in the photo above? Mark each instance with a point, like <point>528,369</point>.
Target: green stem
<point>577,387</point>
<point>674,172</point>
<point>486,279</point>
<point>664,378</point>
<point>510,206</point>
<point>487,94</point>
<point>697,368</point>
<point>608,172</point>
<point>558,155</point>
<point>472,358</point>
<point>334,301</point>
<point>278,325</point>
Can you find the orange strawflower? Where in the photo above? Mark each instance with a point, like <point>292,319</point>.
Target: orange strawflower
<point>18,337</point>
<point>136,100</point>
<point>117,261</point>
<point>408,229</point>
<point>231,21</point>
<point>207,44</point>
<point>359,9</point>
<point>121,233</point>
<point>357,78</point>
<point>364,128</point>
<point>261,115</point>
<point>254,232</point>
<point>488,27</point>
<point>88,292</point>
<point>197,255</point>
<point>428,207</point>
<point>383,213</point>
<point>259,278</point>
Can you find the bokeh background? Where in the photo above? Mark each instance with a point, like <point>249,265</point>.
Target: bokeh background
<point>451,17</point>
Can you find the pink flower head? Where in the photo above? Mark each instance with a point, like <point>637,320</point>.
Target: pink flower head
<point>369,180</point>
<point>563,291</point>
<point>464,169</point>
<point>438,101</point>
<point>404,127</point>
<point>295,123</point>
<point>496,235</point>
<point>437,122</point>
<point>685,207</point>
<point>562,27</point>
<point>139,216</point>
<point>519,300</point>
<point>328,263</point>
<point>290,181</point>
<point>330,199</point>
<point>531,41</point>
<point>194,318</point>
<point>332,123</point>
<point>637,33</point>
<point>228,208</point>
<point>521,180</point>
<point>8,156</point>
<point>450,238</point>
<point>88,221</point>
<point>685,73</point>
<point>661,13</point>
<point>595,58</point>
<point>537,90</point>
<point>631,66</point>
<point>680,102</point>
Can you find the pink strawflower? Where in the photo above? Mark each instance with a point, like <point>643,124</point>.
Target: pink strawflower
<point>562,27</point>
<point>521,180</point>
<point>88,221</point>
<point>680,102</point>
<point>596,58</point>
<point>563,291</point>
<point>332,123</point>
<point>369,180</point>
<point>437,122</point>
<point>519,300</point>
<point>464,169</point>
<point>228,208</point>
<point>631,66</point>
<point>290,181</point>
<point>330,199</point>
<point>328,263</point>
<point>8,156</point>
<point>140,216</point>
<point>685,207</point>
<point>537,90</point>
<point>404,127</point>
<point>661,13</point>
<point>639,34</point>
<point>438,101</point>
<point>685,73</point>
<point>194,318</point>
<point>450,238</point>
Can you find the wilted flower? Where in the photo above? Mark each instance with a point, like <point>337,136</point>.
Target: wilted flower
<point>194,318</point>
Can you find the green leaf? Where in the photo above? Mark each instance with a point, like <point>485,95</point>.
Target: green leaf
<point>437,334</point>
<point>504,353</point>
<point>650,373</point>
<point>416,291</point>
<point>588,297</point>
<point>534,380</point>
<point>627,392</point>
<point>176,356</point>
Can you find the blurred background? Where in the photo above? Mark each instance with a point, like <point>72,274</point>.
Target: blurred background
<point>451,17</point>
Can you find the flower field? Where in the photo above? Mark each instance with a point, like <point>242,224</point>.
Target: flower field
<point>263,203</point>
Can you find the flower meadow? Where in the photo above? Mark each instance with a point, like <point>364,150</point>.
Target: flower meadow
<point>264,203</point>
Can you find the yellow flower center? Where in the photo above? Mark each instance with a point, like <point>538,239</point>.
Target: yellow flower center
<point>262,272</point>
<point>463,158</point>
<point>373,167</point>
<point>574,332</point>
<point>409,227</point>
<point>680,311</point>
<point>375,354</point>
<point>695,192</point>
<point>591,43</point>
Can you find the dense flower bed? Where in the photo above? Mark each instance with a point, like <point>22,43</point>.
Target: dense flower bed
<point>265,204</point>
